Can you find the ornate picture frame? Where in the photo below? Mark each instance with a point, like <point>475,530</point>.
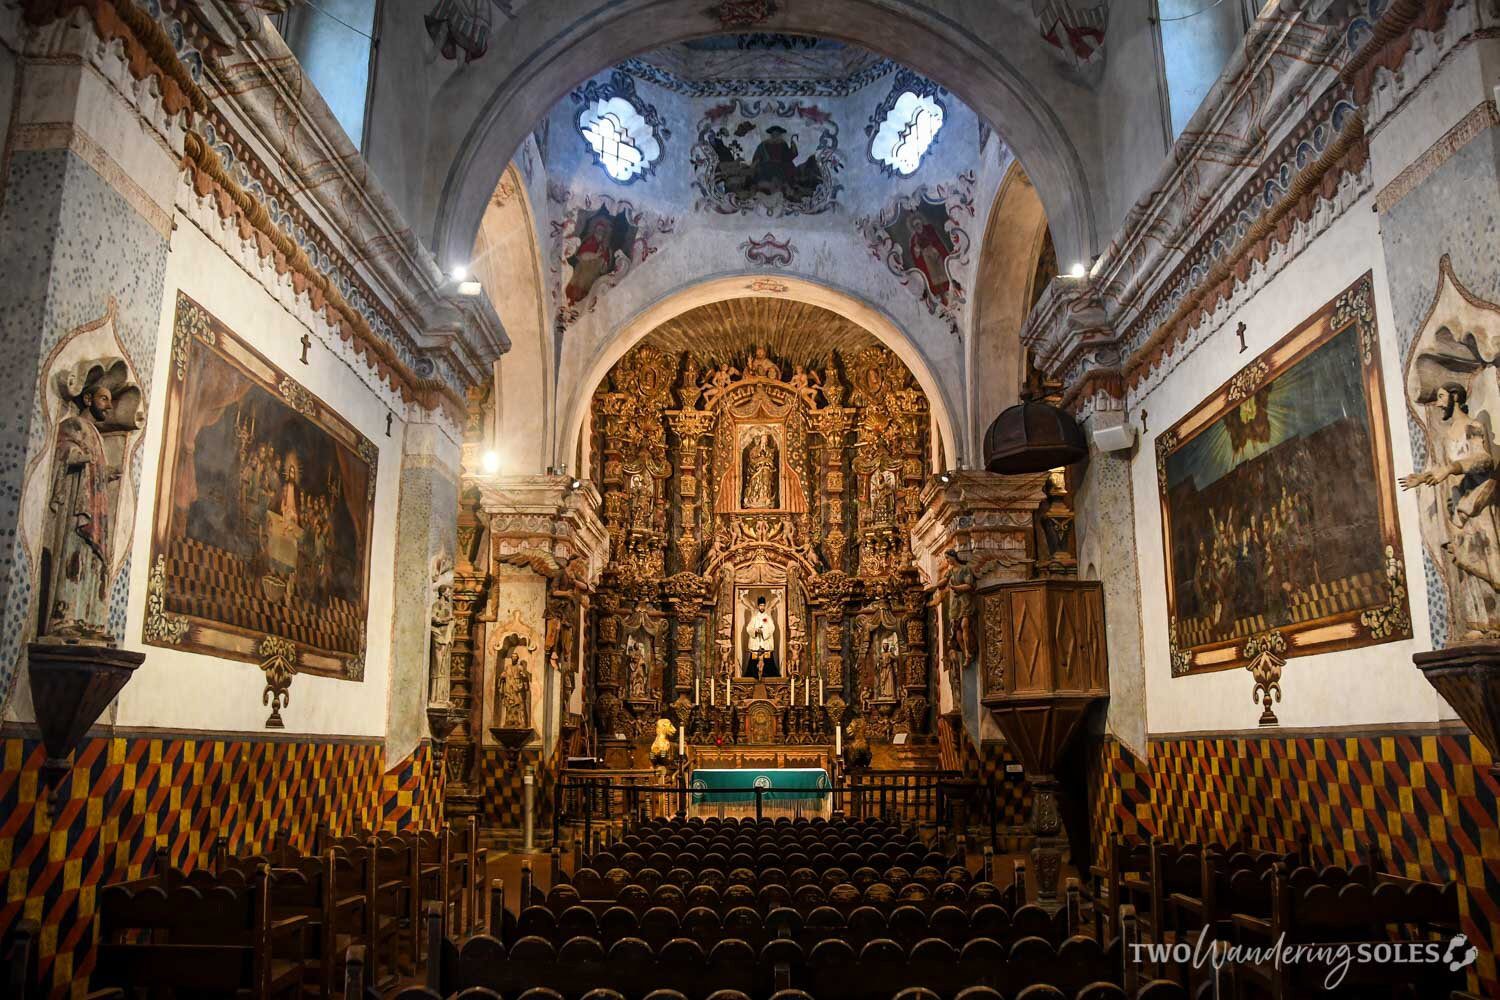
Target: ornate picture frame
<point>265,497</point>
<point>1278,502</point>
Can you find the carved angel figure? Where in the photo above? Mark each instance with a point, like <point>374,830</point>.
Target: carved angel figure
<point>719,380</point>
<point>807,383</point>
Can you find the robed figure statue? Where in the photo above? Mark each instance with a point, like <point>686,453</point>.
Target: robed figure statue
<point>76,555</point>
<point>760,642</point>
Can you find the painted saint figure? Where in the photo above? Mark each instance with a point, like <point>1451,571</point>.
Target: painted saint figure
<point>929,252</point>
<point>593,259</point>
<point>760,473</point>
<point>77,557</point>
<point>887,661</point>
<point>955,593</point>
<point>1465,468</point>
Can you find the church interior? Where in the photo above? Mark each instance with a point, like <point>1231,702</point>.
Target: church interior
<point>797,499</point>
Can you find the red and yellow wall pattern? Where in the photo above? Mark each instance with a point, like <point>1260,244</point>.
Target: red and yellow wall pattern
<point>1428,800</point>
<point>127,795</point>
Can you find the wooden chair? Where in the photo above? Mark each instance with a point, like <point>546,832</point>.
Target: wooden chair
<point>220,942</point>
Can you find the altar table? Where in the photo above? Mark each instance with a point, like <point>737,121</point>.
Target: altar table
<point>784,790</point>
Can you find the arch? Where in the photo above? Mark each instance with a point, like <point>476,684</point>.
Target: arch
<point>633,331</point>
<point>911,32</point>
<point>1004,291</point>
<point>505,255</point>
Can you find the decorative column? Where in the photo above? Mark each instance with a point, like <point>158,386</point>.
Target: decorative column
<point>461,794</point>
<point>831,425</point>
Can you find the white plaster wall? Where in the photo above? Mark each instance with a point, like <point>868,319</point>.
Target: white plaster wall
<point>1367,686</point>
<point>176,689</point>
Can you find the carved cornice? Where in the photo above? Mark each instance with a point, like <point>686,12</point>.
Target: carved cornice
<point>543,522</point>
<point>987,517</point>
<point>1256,165</point>
<point>189,50</point>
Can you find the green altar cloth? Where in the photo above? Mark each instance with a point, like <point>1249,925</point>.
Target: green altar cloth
<point>736,785</point>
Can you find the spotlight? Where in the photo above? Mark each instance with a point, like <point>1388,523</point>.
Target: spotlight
<point>575,484</point>
<point>459,272</point>
<point>469,288</point>
<point>491,462</point>
<point>1079,270</point>
<point>945,478</point>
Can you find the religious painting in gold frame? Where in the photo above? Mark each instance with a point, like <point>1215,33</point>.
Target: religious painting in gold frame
<point>1278,502</point>
<point>264,510</point>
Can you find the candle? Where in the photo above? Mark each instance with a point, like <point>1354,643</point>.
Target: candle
<point>681,742</point>
<point>820,690</point>
<point>794,690</point>
<point>838,741</point>
<point>697,690</point>
<point>713,697</point>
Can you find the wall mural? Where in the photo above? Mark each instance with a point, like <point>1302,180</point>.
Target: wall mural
<point>1454,395</point>
<point>922,239</point>
<point>264,506</point>
<point>596,243</point>
<point>1074,33</point>
<point>1278,503</point>
<point>781,157</point>
<point>768,251</point>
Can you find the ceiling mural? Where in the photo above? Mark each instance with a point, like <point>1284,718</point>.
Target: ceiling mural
<point>597,241</point>
<point>768,251</point>
<point>923,239</point>
<point>781,157</point>
<point>1074,33</point>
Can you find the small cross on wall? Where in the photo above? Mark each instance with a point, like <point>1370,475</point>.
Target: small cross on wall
<point>1240,333</point>
<point>306,346</point>
<point>1143,421</point>
<point>388,417</point>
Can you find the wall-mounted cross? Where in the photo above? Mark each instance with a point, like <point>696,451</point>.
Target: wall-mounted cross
<point>306,346</point>
<point>388,416</point>
<point>1143,421</point>
<point>1240,333</point>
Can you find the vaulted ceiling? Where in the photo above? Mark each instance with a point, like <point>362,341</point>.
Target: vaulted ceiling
<point>728,330</point>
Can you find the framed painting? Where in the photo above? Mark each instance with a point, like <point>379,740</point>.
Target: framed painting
<point>264,506</point>
<point>1278,502</point>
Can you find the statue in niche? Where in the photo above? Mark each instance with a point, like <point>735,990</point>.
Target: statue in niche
<point>77,547</point>
<point>441,629</point>
<point>637,670</point>
<point>883,496</point>
<point>760,640</point>
<point>761,365</point>
<point>1464,473</point>
<point>759,461</point>
<point>642,503</point>
<point>513,685</point>
<point>887,668</point>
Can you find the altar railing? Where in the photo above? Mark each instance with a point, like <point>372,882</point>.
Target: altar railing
<point>588,801</point>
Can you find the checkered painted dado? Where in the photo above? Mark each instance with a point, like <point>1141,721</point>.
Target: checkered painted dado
<point>1427,800</point>
<point>501,780</point>
<point>126,796</point>
<point>1008,795</point>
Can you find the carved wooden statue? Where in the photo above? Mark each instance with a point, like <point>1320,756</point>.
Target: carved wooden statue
<point>77,548</point>
<point>637,670</point>
<point>513,686</point>
<point>441,629</point>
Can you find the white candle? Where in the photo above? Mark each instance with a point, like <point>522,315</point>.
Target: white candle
<point>697,690</point>
<point>838,741</point>
<point>681,742</point>
<point>713,697</point>
<point>820,690</point>
<point>794,690</point>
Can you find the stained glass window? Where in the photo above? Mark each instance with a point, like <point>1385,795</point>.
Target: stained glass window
<point>622,141</point>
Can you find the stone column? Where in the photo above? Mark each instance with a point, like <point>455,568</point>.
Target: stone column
<point>426,530</point>
<point>97,130</point>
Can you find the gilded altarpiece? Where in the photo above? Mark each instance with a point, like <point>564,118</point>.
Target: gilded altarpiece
<point>761,586</point>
